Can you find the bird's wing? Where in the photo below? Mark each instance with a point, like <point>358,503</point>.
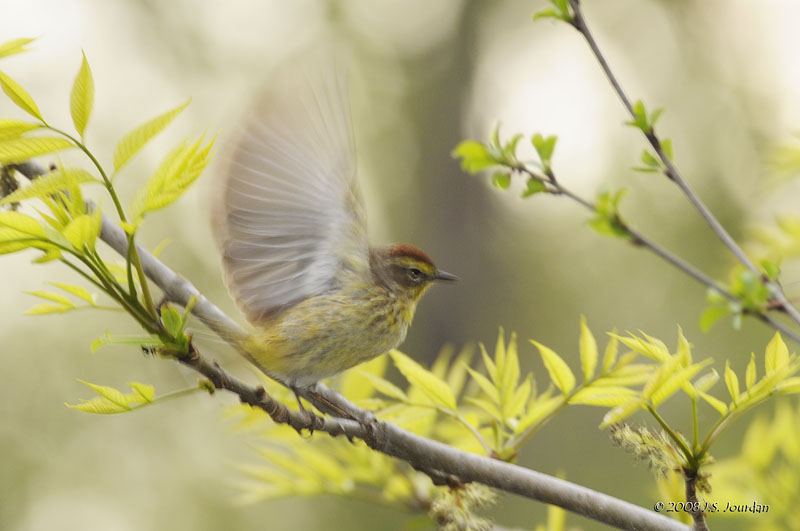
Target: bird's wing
<point>288,216</point>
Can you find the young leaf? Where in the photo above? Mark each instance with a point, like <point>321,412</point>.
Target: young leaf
<point>533,187</point>
<point>544,147</point>
<point>112,400</point>
<point>179,170</point>
<point>172,320</point>
<point>434,388</point>
<point>484,383</point>
<point>21,149</point>
<point>714,402</point>
<point>610,354</point>
<point>21,223</point>
<point>501,180</point>
<point>385,387</point>
<point>732,382</point>
<point>14,46</point>
<point>560,373</point>
<point>474,156</point>
<point>136,139</point>
<point>82,232</point>
<point>588,350</point>
<point>42,309</point>
<point>82,97</point>
<point>777,355</point>
<point>605,396</point>
<point>711,315</point>
<point>78,291</point>
<point>19,96</point>
<point>750,372</point>
<point>14,128</point>
<point>50,184</point>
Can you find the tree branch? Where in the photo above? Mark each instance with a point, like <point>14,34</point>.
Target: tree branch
<point>440,461</point>
<point>639,240</point>
<point>671,171</point>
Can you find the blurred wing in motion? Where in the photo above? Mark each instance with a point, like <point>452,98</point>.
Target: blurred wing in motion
<point>288,217</point>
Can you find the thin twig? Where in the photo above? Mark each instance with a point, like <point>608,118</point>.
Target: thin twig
<point>671,171</point>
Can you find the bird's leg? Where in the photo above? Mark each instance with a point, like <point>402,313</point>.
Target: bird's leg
<point>346,410</point>
<point>308,415</point>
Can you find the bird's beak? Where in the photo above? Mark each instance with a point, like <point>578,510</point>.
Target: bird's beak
<point>444,275</point>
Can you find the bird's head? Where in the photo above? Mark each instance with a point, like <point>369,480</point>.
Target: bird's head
<point>406,270</point>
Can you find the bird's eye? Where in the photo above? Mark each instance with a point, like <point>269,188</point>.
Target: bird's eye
<point>414,274</point>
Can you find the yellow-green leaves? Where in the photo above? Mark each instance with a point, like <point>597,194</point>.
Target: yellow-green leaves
<point>433,387</point>
<point>14,46</point>
<point>588,351</point>
<point>52,183</point>
<point>82,97</point>
<point>136,139</point>
<point>19,231</point>
<point>111,400</point>
<point>178,170</point>
<point>20,149</point>
<point>82,231</point>
<point>559,371</point>
<point>19,96</point>
<point>14,128</point>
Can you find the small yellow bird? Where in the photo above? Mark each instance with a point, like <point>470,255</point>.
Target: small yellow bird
<point>291,228</point>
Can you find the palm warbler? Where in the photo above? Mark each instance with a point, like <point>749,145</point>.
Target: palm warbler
<point>290,224</point>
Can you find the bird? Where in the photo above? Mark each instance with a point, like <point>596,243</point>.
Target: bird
<point>290,225</point>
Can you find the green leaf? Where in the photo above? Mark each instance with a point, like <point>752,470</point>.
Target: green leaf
<point>539,411</point>
<point>732,382</point>
<point>51,183</point>
<point>21,223</point>
<point>588,350</point>
<point>604,396</point>
<point>474,156</point>
<point>81,99</point>
<point>490,408</point>
<point>434,388</point>
<point>610,354</point>
<point>501,180</point>
<point>675,381</point>
<point>714,402</point>
<point>484,383</point>
<point>42,309</point>
<point>21,149</point>
<point>711,315</point>
<point>78,291</point>
<point>544,147</point>
<point>515,405</point>
<point>533,186</point>
<point>776,355</point>
<point>666,145</point>
<point>14,46</point>
<point>111,400</point>
<point>385,387</point>
<point>621,412</point>
<point>136,139</point>
<point>561,11</point>
<point>50,296</point>
<point>82,232</point>
<point>559,371</point>
<point>178,170</point>
<point>19,96</point>
<point>172,320</point>
<point>639,117</point>
<point>14,128</point>
<point>750,373</point>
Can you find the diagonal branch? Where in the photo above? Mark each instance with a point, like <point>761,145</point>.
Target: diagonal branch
<point>671,171</point>
<point>440,461</point>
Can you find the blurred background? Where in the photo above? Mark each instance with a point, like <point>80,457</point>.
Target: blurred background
<point>425,75</point>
